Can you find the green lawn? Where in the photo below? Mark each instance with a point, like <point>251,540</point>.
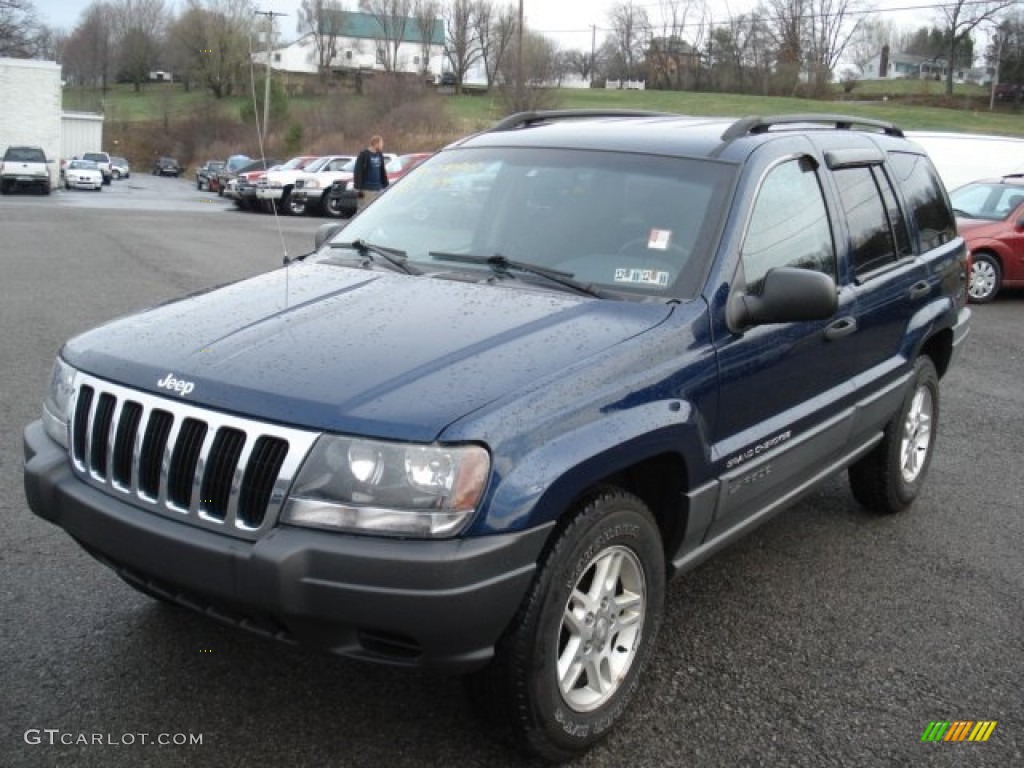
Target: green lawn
<point>166,101</point>
<point>479,110</point>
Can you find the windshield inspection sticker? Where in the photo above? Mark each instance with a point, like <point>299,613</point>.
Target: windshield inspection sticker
<point>659,239</point>
<point>641,276</point>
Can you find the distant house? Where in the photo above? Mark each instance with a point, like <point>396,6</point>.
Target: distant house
<point>361,43</point>
<point>895,66</point>
<point>671,62</point>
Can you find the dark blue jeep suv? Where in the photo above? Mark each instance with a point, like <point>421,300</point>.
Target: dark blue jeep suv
<point>483,423</point>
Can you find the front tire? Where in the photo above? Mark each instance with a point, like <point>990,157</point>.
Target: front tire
<point>888,479</point>
<point>332,207</point>
<point>296,207</point>
<point>986,277</point>
<point>573,657</point>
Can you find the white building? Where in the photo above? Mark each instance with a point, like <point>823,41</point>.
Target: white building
<point>360,43</point>
<point>30,95</point>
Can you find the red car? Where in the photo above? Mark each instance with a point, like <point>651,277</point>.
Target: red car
<point>990,216</point>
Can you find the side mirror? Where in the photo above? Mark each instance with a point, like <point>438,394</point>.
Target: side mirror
<point>789,295</point>
<point>326,231</point>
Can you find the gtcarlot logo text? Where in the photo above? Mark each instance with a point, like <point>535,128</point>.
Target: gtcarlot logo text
<point>56,737</point>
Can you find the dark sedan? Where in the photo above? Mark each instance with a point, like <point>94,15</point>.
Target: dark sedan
<point>166,166</point>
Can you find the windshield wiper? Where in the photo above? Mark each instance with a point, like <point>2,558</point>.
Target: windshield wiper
<point>392,256</point>
<point>503,265</point>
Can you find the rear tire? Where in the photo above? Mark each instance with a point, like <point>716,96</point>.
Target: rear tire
<point>888,479</point>
<point>573,657</point>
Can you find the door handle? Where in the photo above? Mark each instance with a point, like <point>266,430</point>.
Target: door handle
<point>844,326</point>
<point>920,289</point>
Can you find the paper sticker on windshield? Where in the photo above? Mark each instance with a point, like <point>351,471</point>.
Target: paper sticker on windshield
<point>642,276</point>
<point>659,239</point>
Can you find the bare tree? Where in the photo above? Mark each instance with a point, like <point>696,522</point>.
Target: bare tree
<point>210,44</point>
<point>461,46</point>
<point>631,30</point>
<point>427,14</point>
<point>540,68</point>
<point>580,63</point>
<point>785,24</point>
<point>392,17</point>
<point>138,28</point>
<point>88,53</point>
<point>22,34</point>
<point>868,39</point>
<point>961,18</point>
<point>671,54</point>
<point>829,27</point>
<point>322,20</point>
<point>495,29</point>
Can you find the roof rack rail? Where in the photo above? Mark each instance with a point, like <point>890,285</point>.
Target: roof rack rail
<point>525,119</point>
<point>749,126</point>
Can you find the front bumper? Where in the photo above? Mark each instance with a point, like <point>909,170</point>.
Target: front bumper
<point>269,193</point>
<point>436,604</point>
<point>85,183</point>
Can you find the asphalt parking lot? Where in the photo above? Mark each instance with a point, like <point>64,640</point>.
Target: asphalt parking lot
<point>828,637</point>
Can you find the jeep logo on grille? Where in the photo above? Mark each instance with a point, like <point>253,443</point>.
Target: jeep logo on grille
<point>180,386</point>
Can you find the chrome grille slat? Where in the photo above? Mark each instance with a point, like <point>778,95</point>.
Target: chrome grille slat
<point>191,464</point>
<point>165,465</point>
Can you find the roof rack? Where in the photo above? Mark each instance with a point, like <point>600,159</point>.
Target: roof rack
<point>749,126</point>
<point>525,119</point>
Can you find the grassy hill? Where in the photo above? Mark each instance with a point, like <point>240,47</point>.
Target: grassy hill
<point>163,118</point>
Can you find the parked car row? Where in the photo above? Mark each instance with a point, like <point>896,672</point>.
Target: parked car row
<point>306,184</point>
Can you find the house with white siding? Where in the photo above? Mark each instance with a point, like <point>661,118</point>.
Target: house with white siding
<point>361,43</point>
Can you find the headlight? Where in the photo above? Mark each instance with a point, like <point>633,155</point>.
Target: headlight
<point>391,489</point>
<point>312,184</point>
<point>58,401</point>
<point>275,184</point>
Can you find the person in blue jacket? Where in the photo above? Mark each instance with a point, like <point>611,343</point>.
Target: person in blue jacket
<point>371,177</point>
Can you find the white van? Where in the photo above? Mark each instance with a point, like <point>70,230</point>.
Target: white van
<point>964,157</point>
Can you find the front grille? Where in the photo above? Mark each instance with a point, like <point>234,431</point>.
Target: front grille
<point>193,464</point>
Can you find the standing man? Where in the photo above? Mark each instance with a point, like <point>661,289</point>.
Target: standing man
<point>370,175</point>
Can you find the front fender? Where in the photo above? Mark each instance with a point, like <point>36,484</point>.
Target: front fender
<point>545,481</point>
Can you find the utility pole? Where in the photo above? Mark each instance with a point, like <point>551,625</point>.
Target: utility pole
<point>270,36</point>
<point>519,61</point>
<point>593,52</point>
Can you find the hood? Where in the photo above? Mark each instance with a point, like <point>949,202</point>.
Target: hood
<point>351,350</point>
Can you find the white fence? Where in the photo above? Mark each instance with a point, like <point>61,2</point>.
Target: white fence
<point>625,85</point>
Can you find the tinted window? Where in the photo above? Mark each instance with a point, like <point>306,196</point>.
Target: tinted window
<point>874,219</point>
<point>994,201</point>
<point>789,225</point>
<point>925,197</point>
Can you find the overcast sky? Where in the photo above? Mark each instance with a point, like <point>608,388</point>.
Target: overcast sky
<point>569,21</point>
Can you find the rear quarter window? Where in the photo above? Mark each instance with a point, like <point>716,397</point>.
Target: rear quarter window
<point>925,197</point>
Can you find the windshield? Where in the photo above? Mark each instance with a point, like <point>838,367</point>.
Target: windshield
<point>317,164</point>
<point>297,163</point>
<point>82,165</point>
<point>993,201</point>
<point>630,223</point>
<point>25,155</point>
